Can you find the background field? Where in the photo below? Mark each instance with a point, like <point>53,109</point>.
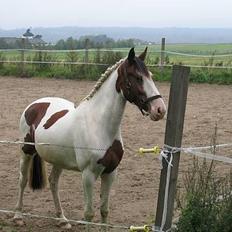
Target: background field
<point>211,63</point>
<point>153,51</point>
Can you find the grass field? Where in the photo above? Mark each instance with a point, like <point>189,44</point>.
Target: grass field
<point>193,54</point>
<point>195,49</point>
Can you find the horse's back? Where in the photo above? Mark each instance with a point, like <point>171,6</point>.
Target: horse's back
<point>49,120</point>
<point>42,116</point>
<point>43,109</point>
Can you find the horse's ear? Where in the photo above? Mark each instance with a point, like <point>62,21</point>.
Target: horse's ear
<point>131,55</point>
<point>142,56</point>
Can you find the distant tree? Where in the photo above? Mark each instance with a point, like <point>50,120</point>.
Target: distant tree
<point>98,41</point>
<point>70,43</point>
<point>3,44</point>
<point>60,45</point>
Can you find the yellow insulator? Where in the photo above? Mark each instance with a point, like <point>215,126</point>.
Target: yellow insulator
<point>141,150</point>
<point>155,150</point>
<point>144,228</point>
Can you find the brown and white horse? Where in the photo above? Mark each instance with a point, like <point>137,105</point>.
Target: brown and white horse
<point>94,123</point>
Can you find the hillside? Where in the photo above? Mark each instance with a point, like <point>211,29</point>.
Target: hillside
<point>173,35</point>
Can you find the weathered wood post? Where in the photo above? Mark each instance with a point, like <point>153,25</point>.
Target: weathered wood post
<point>162,53</point>
<point>86,67</point>
<point>173,138</point>
<point>23,57</point>
<point>87,50</point>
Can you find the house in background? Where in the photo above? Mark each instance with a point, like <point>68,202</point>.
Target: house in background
<point>28,34</point>
<point>37,40</point>
<point>27,40</point>
<point>33,40</point>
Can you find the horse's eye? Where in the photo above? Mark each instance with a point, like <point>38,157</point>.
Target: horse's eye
<point>139,79</point>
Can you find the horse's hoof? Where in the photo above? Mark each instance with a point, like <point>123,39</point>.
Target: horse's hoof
<point>19,221</point>
<point>64,225</point>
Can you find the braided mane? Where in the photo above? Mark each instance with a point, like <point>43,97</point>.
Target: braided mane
<point>102,79</point>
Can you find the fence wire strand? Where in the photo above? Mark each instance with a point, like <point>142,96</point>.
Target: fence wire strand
<point>120,50</point>
<point>187,150</point>
<point>115,50</point>
<point>80,222</point>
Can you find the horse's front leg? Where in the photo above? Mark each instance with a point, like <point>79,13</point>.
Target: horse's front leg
<point>88,179</point>
<point>106,183</point>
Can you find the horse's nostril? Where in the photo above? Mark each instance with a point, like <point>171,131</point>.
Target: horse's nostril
<point>159,110</point>
<point>142,98</point>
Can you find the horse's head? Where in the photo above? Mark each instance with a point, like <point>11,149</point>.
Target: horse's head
<point>137,86</point>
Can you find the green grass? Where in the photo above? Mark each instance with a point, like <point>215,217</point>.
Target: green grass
<point>196,49</point>
<point>221,76</point>
<point>200,49</point>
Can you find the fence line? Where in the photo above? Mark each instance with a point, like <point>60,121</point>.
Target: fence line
<point>191,151</point>
<point>210,147</point>
<point>196,55</point>
<point>64,51</point>
<point>144,228</point>
<point>80,222</point>
<point>120,50</point>
<point>53,62</point>
<point>70,63</point>
<point>50,144</point>
<point>186,150</point>
<point>104,64</point>
<point>195,151</point>
<point>160,65</point>
<point>208,156</point>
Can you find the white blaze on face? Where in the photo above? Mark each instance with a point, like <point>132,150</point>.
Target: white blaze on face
<point>157,107</point>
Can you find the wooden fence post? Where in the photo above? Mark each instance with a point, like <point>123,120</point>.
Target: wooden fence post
<point>173,137</point>
<point>162,53</point>
<point>87,50</point>
<point>23,57</point>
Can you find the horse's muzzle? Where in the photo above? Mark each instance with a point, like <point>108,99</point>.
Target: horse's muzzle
<point>157,109</point>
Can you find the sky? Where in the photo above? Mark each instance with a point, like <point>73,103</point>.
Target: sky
<point>122,13</point>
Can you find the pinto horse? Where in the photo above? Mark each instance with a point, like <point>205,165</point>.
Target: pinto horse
<point>76,133</point>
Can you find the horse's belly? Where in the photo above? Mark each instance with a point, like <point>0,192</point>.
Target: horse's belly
<point>63,157</point>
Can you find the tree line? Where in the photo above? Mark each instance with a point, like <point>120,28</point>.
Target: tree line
<point>98,41</point>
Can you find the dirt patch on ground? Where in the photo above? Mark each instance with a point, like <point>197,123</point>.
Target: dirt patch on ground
<point>134,194</point>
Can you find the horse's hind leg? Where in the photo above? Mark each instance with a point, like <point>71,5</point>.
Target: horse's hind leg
<point>24,167</point>
<point>54,181</point>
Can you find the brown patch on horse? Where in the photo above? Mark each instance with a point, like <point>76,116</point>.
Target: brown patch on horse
<point>35,113</point>
<point>130,82</point>
<point>131,72</point>
<point>112,157</point>
<point>29,149</point>
<point>121,73</point>
<point>54,118</point>
<point>33,117</point>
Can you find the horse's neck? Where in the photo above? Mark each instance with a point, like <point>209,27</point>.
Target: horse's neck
<point>107,106</point>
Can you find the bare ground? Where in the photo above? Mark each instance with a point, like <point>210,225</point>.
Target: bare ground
<point>134,194</point>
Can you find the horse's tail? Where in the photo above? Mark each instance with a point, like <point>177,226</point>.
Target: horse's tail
<point>37,173</point>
